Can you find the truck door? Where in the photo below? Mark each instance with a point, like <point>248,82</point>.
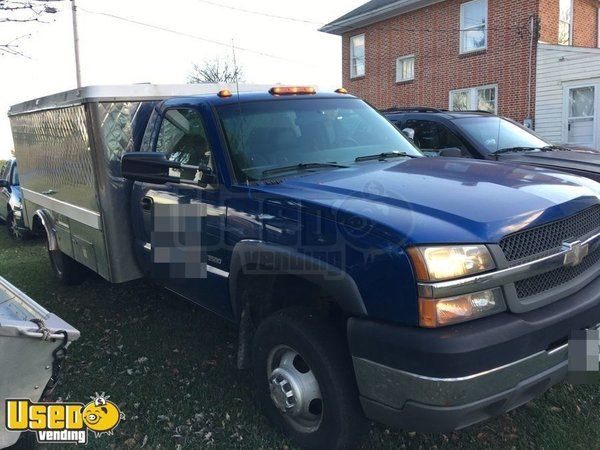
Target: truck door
<point>178,227</point>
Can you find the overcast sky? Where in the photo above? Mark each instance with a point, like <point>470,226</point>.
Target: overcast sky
<point>117,52</point>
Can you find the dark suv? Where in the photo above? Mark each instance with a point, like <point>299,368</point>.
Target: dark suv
<point>478,134</point>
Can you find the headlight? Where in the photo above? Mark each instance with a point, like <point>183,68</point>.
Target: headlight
<point>441,263</point>
<point>446,311</point>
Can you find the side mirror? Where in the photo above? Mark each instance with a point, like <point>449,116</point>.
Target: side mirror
<point>409,133</point>
<point>451,152</point>
<point>149,167</point>
<point>4,184</point>
<point>154,167</point>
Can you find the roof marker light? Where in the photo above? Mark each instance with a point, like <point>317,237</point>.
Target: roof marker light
<point>292,90</point>
<point>341,91</point>
<point>224,93</point>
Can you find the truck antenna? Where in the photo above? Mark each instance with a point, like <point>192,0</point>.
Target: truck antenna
<point>235,71</point>
<point>237,92</point>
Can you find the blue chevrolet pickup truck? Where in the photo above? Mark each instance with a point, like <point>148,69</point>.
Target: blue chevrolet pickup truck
<point>367,281</point>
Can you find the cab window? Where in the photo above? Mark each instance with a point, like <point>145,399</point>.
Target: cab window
<point>433,136</point>
<point>182,138</point>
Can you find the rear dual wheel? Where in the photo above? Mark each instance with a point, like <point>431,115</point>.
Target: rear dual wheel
<point>305,381</point>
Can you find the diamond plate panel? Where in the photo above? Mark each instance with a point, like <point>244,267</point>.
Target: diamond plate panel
<point>54,155</point>
<point>115,127</point>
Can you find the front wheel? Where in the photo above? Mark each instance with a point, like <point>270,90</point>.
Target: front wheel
<point>305,381</point>
<point>14,229</point>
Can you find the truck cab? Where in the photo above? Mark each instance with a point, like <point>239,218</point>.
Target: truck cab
<point>366,280</point>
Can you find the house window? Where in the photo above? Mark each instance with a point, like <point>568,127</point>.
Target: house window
<point>405,68</point>
<point>473,26</point>
<point>483,98</point>
<point>565,22</point>
<point>357,56</point>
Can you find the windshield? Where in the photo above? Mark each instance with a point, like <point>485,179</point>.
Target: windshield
<point>495,133</point>
<point>266,135</point>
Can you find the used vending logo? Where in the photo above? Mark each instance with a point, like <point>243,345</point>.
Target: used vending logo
<point>63,422</point>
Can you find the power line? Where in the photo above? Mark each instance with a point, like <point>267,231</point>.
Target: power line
<point>259,13</point>
<point>192,36</point>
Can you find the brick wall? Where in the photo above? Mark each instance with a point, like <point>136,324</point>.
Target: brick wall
<point>585,22</point>
<point>439,67</point>
<point>548,12</point>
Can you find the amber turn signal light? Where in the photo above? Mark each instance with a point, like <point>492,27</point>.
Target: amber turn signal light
<point>224,93</point>
<point>292,90</point>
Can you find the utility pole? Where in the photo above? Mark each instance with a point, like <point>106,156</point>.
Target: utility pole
<point>76,44</point>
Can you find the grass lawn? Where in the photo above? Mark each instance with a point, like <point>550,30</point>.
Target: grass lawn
<point>170,366</point>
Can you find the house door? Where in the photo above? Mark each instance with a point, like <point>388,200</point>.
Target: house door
<point>581,116</point>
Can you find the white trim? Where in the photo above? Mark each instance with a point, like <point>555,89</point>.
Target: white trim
<point>217,271</point>
<point>570,24</point>
<point>402,59</point>
<point>76,213</point>
<point>473,92</point>
<point>353,75</point>
<point>462,30</point>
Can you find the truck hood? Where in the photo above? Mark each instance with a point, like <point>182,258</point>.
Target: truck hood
<point>578,162</point>
<point>441,200</point>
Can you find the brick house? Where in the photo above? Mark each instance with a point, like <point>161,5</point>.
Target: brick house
<point>505,56</point>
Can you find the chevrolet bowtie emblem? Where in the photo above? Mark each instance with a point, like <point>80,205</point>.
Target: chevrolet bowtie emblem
<point>575,252</point>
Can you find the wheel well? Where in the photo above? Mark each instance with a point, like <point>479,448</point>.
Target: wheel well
<point>262,295</point>
<point>265,294</point>
<point>37,226</point>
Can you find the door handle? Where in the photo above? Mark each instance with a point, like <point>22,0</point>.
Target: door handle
<point>147,203</point>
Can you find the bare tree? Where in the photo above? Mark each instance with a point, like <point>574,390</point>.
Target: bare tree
<point>218,70</point>
<point>21,11</point>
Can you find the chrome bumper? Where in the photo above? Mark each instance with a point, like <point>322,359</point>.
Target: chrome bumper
<point>394,387</point>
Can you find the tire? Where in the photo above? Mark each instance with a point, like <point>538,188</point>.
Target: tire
<point>333,419</point>
<point>12,225</point>
<point>68,271</point>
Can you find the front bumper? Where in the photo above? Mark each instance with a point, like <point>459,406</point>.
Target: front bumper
<point>435,380</point>
<point>429,404</point>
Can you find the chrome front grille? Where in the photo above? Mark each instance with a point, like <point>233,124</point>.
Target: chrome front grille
<point>555,278</point>
<point>549,238</point>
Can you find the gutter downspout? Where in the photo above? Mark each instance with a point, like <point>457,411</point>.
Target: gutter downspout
<point>533,33</point>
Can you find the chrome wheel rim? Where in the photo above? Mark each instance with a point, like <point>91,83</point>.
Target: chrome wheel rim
<point>294,389</point>
<point>13,227</point>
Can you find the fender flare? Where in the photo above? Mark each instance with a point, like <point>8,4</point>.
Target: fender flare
<point>260,257</point>
<point>48,224</point>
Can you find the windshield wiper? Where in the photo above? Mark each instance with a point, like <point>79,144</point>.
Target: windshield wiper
<point>517,150</point>
<point>302,166</point>
<point>551,148</point>
<point>384,156</point>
